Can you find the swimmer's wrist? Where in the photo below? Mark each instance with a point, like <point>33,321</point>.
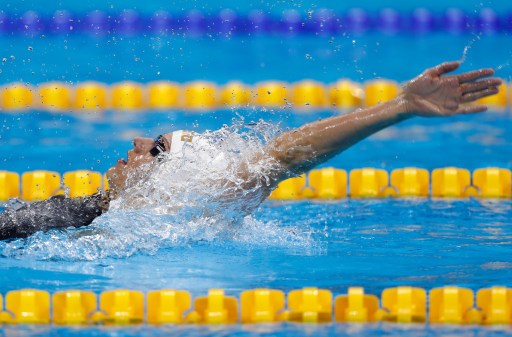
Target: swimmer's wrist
<point>407,106</point>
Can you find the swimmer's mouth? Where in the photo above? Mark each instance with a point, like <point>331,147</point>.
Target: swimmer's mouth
<point>121,161</point>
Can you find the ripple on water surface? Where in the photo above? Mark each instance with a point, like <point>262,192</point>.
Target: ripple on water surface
<point>373,243</point>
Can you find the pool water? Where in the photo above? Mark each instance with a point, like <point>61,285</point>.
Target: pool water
<point>373,243</point>
<point>284,245</point>
<point>289,245</point>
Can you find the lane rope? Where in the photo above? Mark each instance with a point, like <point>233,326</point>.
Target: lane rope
<point>323,183</point>
<point>305,95</point>
<point>404,304</point>
<point>227,22</point>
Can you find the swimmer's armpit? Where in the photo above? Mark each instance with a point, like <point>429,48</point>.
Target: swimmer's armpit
<point>56,212</point>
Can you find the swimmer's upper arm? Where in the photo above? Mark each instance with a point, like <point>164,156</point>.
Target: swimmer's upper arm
<point>291,149</point>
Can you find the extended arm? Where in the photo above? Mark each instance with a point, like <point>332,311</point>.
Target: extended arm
<point>429,95</point>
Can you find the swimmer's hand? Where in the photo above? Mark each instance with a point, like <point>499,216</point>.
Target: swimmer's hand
<point>433,95</point>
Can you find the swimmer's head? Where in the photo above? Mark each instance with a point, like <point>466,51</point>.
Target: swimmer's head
<point>144,153</point>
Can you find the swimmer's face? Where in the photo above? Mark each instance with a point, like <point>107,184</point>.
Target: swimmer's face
<point>136,157</point>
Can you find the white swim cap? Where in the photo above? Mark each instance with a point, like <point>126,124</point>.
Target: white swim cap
<point>179,139</point>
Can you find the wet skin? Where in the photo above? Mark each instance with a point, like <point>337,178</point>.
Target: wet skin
<point>135,158</point>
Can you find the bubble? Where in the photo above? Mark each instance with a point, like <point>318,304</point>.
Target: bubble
<point>30,48</point>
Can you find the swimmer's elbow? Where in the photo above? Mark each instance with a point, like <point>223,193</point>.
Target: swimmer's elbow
<point>293,156</point>
<point>293,149</point>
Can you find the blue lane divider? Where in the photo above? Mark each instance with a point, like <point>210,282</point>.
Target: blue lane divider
<point>228,22</point>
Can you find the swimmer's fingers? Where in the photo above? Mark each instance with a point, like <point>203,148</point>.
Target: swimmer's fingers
<point>480,85</point>
<point>473,96</point>
<point>471,109</point>
<point>475,75</point>
<point>443,68</point>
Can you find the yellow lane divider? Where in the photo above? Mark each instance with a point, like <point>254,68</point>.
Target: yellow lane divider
<point>449,182</point>
<point>202,95</point>
<point>404,304</point>
<point>325,183</point>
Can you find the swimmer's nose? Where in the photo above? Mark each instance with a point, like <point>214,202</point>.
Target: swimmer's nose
<point>142,145</point>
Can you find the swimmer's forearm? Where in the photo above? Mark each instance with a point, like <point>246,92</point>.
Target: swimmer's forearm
<point>318,141</point>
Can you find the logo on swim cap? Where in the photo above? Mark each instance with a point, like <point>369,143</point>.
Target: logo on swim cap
<point>179,139</point>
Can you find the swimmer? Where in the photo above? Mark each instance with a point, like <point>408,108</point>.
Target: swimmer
<point>434,93</point>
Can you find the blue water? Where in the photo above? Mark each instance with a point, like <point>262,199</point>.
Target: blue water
<point>269,330</point>
<point>66,142</point>
<point>355,330</point>
<point>334,245</point>
<point>375,244</point>
<point>249,59</point>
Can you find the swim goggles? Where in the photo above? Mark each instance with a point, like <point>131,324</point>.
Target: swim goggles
<point>159,148</point>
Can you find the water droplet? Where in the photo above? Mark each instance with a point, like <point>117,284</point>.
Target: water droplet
<point>468,47</point>
<point>503,65</point>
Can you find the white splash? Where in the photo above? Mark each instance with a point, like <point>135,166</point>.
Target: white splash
<point>198,195</point>
<point>210,172</point>
<point>467,48</point>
